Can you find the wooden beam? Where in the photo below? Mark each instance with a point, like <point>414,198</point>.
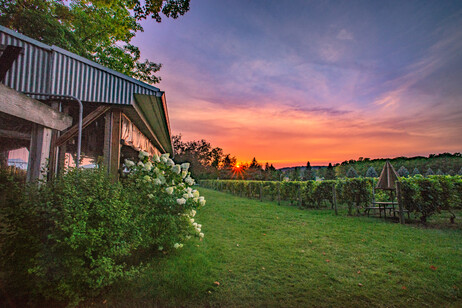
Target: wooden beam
<point>91,117</point>
<point>107,139</point>
<point>24,107</point>
<point>14,134</point>
<point>114,159</point>
<point>39,152</point>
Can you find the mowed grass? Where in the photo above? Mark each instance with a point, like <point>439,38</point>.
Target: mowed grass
<point>262,254</point>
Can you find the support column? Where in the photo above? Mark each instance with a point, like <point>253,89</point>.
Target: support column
<point>39,152</point>
<point>112,134</point>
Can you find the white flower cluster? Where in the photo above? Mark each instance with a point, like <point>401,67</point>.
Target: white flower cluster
<point>173,180</point>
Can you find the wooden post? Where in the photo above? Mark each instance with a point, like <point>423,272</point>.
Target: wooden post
<point>107,139</point>
<point>53,162</point>
<point>300,195</point>
<point>334,199</point>
<point>279,193</point>
<point>114,155</point>
<point>400,203</point>
<point>39,152</point>
<point>261,191</point>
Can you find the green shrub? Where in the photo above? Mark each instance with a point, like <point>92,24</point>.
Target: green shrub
<point>69,238</point>
<point>71,234</point>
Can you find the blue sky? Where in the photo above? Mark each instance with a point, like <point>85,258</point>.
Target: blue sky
<point>325,81</point>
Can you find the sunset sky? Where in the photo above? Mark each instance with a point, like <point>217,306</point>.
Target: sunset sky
<point>324,81</point>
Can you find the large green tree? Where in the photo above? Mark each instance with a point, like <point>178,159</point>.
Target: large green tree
<point>100,30</point>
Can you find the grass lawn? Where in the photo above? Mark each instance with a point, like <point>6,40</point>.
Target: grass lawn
<point>263,254</point>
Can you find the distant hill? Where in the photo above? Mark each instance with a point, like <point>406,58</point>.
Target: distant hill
<point>446,163</point>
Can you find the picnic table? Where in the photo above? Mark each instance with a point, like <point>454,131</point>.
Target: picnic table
<point>382,206</point>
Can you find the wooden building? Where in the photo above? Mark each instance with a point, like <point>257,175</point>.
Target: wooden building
<point>68,110</point>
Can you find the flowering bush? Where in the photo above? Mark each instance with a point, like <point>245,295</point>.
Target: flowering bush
<point>165,200</point>
<point>69,238</point>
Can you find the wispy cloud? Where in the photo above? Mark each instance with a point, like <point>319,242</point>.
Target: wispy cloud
<point>345,35</point>
<point>322,82</point>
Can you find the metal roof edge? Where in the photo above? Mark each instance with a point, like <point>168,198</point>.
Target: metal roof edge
<point>76,57</point>
<point>25,38</point>
<point>102,67</point>
<point>143,119</point>
<point>167,118</point>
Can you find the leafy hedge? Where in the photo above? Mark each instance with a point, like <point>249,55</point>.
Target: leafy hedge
<point>425,196</point>
<point>422,196</point>
<point>310,194</point>
<point>68,239</point>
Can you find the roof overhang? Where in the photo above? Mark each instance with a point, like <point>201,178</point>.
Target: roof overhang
<point>149,113</point>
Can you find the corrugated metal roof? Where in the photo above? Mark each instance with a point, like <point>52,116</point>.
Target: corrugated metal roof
<point>50,69</point>
<point>41,68</point>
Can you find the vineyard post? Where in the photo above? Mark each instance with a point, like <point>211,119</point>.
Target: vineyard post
<point>400,203</point>
<point>334,198</point>
<point>279,193</point>
<point>261,191</point>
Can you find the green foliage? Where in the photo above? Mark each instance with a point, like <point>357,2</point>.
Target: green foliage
<point>402,171</point>
<point>211,163</point>
<point>330,173</point>
<point>371,173</point>
<point>439,172</point>
<point>422,196</point>
<point>351,173</point>
<point>426,196</point>
<point>99,30</point>
<point>70,238</point>
<point>443,161</point>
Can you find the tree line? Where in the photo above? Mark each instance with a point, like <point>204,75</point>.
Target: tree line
<point>208,162</point>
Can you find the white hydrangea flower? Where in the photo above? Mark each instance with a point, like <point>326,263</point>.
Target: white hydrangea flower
<point>170,163</point>
<point>185,166</point>
<point>157,182</point>
<point>196,199</point>
<point>191,220</point>
<point>176,169</point>
<point>176,246</point>
<point>181,201</point>
<point>140,163</point>
<point>185,196</point>
<point>188,237</point>
<point>189,181</point>
<point>147,178</point>
<point>194,224</point>
<point>202,201</point>
<point>129,163</point>
<point>143,154</point>
<point>199,226</point>
<point>166,155</point>
<point>189,190</point>
<point>148,166</point>
<point>201,235</point>
<point>150,196</point>
<point>164,159</point>
<point>184,174</point>
<point>193,213</point>
<point>169,190</point>
<point>195,193</point>
<point>156,158</point>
